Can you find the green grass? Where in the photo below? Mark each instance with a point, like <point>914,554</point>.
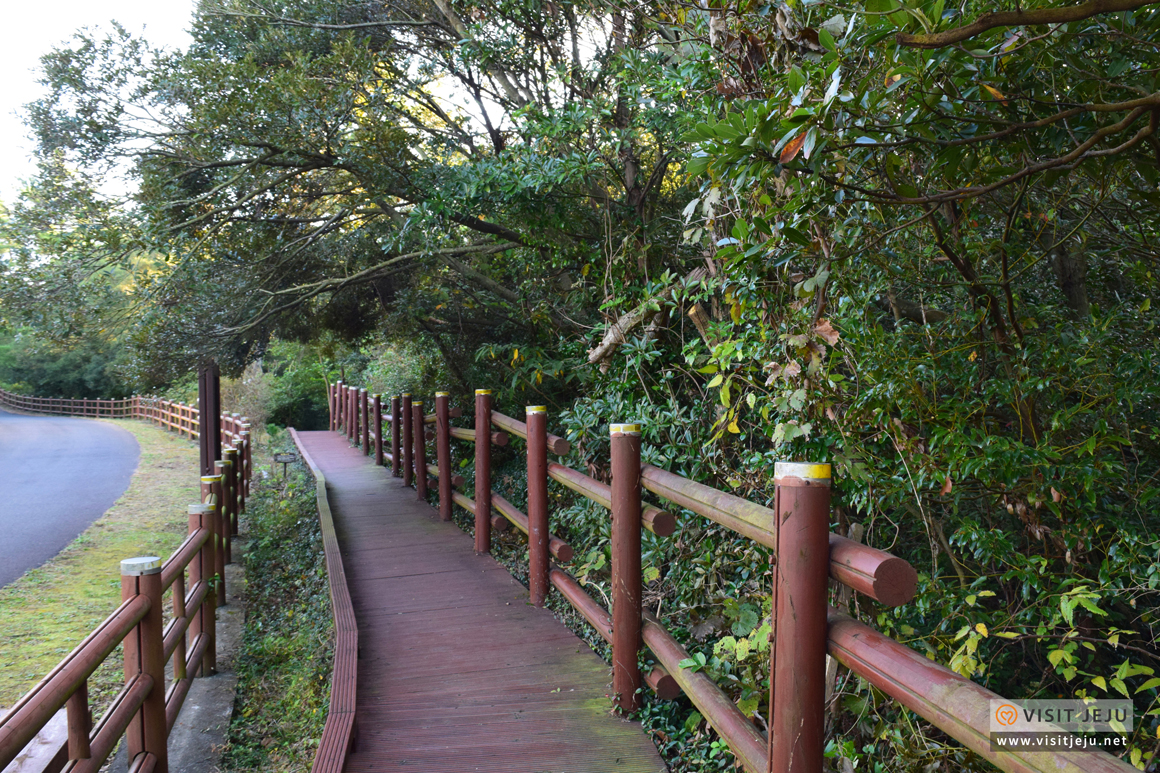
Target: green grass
<point>48,611</point>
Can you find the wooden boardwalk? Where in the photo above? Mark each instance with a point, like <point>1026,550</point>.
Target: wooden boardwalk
<point>457,671</point>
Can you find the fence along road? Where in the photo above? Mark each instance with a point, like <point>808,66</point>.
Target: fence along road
<point>161,659</point>
<point>61,474</point>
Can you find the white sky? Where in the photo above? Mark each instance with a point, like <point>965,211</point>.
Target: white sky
<point>31,30</point>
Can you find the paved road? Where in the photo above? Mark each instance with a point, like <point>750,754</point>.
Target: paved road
<point>59,475</point>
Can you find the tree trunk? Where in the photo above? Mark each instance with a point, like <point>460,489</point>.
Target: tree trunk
<point>1071,274</point>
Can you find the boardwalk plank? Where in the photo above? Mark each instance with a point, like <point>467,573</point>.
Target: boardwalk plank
<point>457,671</point>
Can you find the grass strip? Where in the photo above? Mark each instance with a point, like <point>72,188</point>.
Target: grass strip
<point>48,611</point>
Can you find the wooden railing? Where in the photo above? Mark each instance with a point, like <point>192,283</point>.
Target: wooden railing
<point>178,417</point>
<point>66,406</point>
<point>805,556</point>
<point>338,733</point>
<point>193,577</point>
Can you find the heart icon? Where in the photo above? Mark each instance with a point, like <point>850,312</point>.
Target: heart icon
<point>1006,714</point>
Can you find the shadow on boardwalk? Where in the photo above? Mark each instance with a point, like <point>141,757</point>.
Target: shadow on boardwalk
<point>457,671</point>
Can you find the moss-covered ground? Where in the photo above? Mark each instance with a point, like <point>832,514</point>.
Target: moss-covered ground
<point>48,611</point>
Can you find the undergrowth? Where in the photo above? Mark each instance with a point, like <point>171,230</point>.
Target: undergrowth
<point>284,663</point>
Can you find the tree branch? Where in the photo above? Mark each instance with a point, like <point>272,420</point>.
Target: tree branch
<point>1019,18</point>
<point>307,291</point>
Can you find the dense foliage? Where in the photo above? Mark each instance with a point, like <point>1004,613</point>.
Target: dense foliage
<point>904,237</point>
<point>284,662</point>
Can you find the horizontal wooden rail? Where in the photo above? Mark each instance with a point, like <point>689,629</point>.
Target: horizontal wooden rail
<point>115,722</point>
<point>181,557</point>
<point>33,711</point>
<point>559,549</point>
<point>654,519</point>
<point>433,471</point>
<point>556,444</point>
<point>659,679</point>
<point>872,572</point>
<point>743,737</point>
<point>453,413</point>
<point>955,705</point>
<point>497,438</point>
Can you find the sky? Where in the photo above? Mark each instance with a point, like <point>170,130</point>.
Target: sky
<point>31,30</point>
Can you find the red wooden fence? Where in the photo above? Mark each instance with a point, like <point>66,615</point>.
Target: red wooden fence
<point>194,576</point>
<point>805,557</point>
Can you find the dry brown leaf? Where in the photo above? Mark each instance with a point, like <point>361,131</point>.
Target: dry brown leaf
<point>946,487</point>
<point>790,151</point>
<point>826,330</point>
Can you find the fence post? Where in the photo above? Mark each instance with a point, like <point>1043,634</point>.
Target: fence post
<point>344,408</point>
<point>245,456</point>
<point>538,533</point>
<point>366,425</point>
<point>209,416</point>
<point>419,433</point>
<point>396,460</point>
<point>377,420</point>
<point>204,623</point>
<point>211,486</point>
<point>798,654</point>
<point>344,398</point>
<point>626,573</point>
<point>337,406</point>
<point>145,654</point>
<point>483,470</point>
<point>330,406</point>
<point>221,491</point>
<point>443,452</point>
<point>352,407</point>
<point>407,447</point>
<point>232,488</point>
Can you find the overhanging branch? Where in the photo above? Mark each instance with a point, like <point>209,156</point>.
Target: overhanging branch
<point>1019,18</point>
<point>302,293</point>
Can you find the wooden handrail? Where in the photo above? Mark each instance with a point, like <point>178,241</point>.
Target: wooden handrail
<point>898,671</point>
<point>338,731</point>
